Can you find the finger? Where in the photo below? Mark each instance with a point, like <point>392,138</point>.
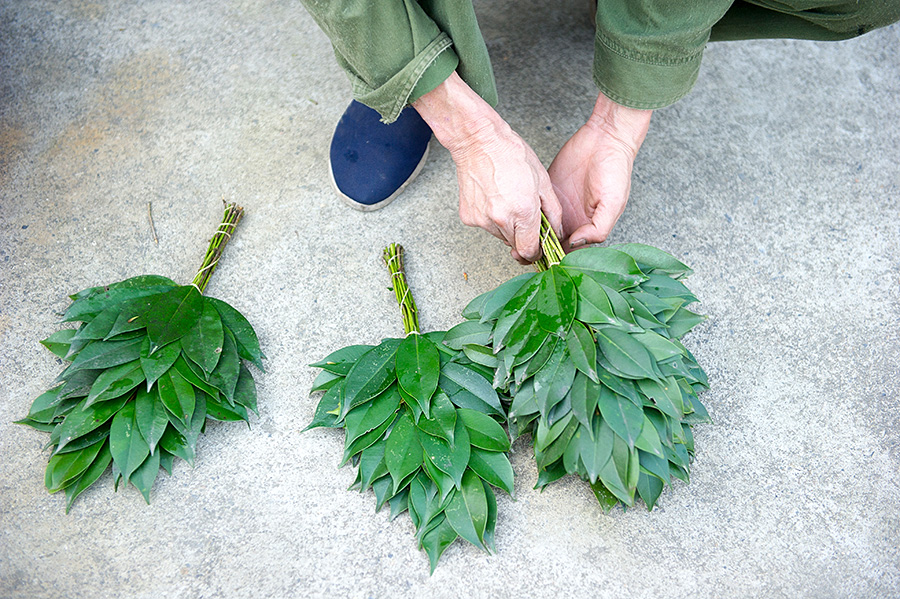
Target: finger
<point>515,256</point>
<point>595,232</point>
<point>528,236</point>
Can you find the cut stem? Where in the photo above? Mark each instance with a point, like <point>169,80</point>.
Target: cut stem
<point>220,239</point>
<point>393,258</point>
<point>552,248</point>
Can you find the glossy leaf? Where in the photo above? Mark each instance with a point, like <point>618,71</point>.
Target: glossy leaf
<point>115,382</point>
<point>370,415</point>
<point>225,412</point>
<point>553,381</point>
<point>104,354</point>
<point>372,373</point>
<point>150,416</point>
<point>451,460</point>
<point>493,467</point>
<point>99,326</point>
<point>367,440</point>
<point>658,346</point>
<point>403,451</point>
<point>443,419</point>
<point>203,343</point>
<point>622,416</point>
<point>484,431</point>
<point>154,366</point>
<point>64,468</point>
<point>372,464</point>
<point>244,335</point>
<point>341,361</point>
<point>609,267</point>
<point>418,368</point>
<point>582,350</point>
<point>467,510</point>
<point>145,474</point>
<point>501,296</point>
<point>43,408</point>
<point>182,368</point>
<point>225,376</point>
<point>177,394</point>
<point>625,354</point>
<point>682,322</point>
<point>518,312</point>
<point>556,302</point>
<point>245,391</point>
<point>82,309</point>
<point>473,383</point>
<point>649,440</point>
<point>89,476</point>
<point>467,332</point>
<point>435,541</point>
<point>172,315</point>
<point>58,343</point>
<point>328,408</point>
<point>324,381</point>
<point>583,398</point>
<point>593,303</point>
<point>128,447</point>
<point>651,259</point>
<point>80,421</point>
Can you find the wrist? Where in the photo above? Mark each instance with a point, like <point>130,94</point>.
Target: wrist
<point>621,123</point>
<point>459,117</point>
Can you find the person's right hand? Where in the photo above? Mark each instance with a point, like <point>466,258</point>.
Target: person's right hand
<point>502,184</point>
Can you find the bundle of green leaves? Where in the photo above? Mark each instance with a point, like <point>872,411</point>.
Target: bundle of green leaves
<point>149,364</point>
<point>589,351</point>
<point>422,427</point>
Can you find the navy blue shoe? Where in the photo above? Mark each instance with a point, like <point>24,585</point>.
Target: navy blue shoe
<point>370,162</point>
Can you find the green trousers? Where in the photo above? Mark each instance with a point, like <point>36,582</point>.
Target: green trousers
<point>647,53</point>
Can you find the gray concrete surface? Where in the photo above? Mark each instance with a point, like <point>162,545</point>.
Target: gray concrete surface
<point>776,179</point>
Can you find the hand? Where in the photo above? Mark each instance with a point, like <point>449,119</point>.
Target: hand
<point>592,172</point>
<point>502,184</point>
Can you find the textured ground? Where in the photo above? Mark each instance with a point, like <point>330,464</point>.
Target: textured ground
<point>777,179</point>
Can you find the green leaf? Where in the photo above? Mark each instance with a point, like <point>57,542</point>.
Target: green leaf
<point>372,373</point>
<point>556,302</point>
<point>649,488</point>
<point>682,322</point>
<point>519,312</point>
<point>651,259</point>
<point>493,467</point>
<point>593,303</point>
<point>367,440</point>
<point>582,349</point>
<point>491,519</point>
<point>104,354</point>
<point>658,346</point>
<point>177,394</point>
<point>553,381</point>
<point>621,386</point>
<point>81,420</point>
<point>150,416</point>
<point>606,499</point>
<point>370,415</point>
<point>89,476</point>
<point>166,460</point>
<point>225,376</point>
<point>418,367</point>
<point>128,447</point>
<point>583,397</point>
<point>203,343</point>
<point>620,307</point>
<point>435,541</point>
<point>443,418</point>
<point>667,287</point>
<point>154,366</point>
<point>649,440</point>
<point>467,510</point>
<point>403,452</point>
<point>43,408</point>
<point>666,397</point>
<point>244,335</point>
<point>145,474</point>
<point>328,408</point>
<point>99,326</point>
<point>181,367</point>
<point>64,468</point>
<point>451,460</point>
<point>623,417</point>
<point>341,361</point>
<point>501,296</point>
<point>606,266</point>
<point>441,480</point>
<point>484,432</point>
<point>218,410</point>
<point>468,332</point>
<point>245,391</point>
<point>58,343</point>
<point>115,382</point>
<point>324,381</point>
<point>172,315</point>
<point>138,282</point>
<point>176,444</point>
<point>79,384</point>
<point>83,309</point>
<point>471,381</point>
<point>481,354</point>
<point>625,354</point>
<point>372,465</point>
<point>86,440</point>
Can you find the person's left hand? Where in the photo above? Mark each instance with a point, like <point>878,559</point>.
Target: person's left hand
<point>591,174</point>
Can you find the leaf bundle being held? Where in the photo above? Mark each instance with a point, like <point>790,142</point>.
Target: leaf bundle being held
<point>149,364</point>
<point>422,426</point>
<point>588,349</point>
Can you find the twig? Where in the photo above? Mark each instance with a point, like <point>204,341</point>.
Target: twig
<point>152,226</point>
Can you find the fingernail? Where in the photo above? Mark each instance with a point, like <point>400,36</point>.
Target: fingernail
<point>577,244</point>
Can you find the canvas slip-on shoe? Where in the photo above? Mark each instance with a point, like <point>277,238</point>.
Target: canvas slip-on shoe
<point>371,162</point>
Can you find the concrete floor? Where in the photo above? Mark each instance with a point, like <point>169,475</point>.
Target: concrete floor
<point>777,179</point>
